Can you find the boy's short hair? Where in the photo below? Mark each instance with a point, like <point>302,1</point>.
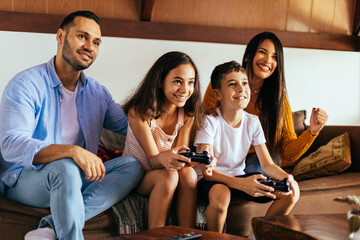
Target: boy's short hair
<point>69,19</point>
<point>220,70</point>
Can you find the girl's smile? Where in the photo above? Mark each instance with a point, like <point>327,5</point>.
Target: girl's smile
<point>179,85</point>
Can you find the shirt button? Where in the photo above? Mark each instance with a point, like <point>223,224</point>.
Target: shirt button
<point>14,175</point>
<point>169,140</point>
<point>61,123</point>
<point>60,100</point>
<point>60,85</point>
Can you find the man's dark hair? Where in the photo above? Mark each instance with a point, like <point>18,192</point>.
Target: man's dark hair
<point>220,70</point>
<point>69,19</point>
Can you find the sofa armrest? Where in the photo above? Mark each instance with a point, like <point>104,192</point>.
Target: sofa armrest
<point>332,131</point>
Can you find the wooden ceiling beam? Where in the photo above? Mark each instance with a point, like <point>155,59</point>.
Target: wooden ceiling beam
<point>46,23</point>
<point>147,7</point>
<point>356,28</point>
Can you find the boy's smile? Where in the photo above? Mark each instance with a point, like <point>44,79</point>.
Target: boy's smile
<point>234,92</point>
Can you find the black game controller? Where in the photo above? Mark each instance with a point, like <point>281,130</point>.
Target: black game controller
<point>281,185</point>
<point>203,157</point>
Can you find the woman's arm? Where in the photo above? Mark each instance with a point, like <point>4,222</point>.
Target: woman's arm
<point>168,159</point>
<point>293,147</point>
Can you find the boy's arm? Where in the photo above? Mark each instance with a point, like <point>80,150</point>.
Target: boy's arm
<point>267,164</point>
<point>249,185</point>
<point>272,170</point>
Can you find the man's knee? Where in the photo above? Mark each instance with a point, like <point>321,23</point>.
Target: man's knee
<point>64,172</point>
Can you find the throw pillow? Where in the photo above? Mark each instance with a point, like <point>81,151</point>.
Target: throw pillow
<point>330,159</point>
<point>299,121</point>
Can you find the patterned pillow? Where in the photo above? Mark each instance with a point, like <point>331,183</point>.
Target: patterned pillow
<point>330,159</point>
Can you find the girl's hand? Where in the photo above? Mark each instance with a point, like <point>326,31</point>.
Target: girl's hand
<point>251,186</point>
<point>170,158</point>
<point>318,120</point>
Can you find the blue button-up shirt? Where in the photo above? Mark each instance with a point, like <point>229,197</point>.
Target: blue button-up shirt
<point>30,118</point>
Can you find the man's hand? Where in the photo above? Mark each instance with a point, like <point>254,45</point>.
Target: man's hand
<point>318,120</point>
<point>91,164</point>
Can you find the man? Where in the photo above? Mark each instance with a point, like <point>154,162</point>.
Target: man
<point>51,119</point>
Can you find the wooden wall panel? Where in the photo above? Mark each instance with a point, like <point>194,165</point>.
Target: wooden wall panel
<point>101,8</point>
<point>63,7</point>
<point>35,6</point>
<point>344,16</point>
<point>127,9</point>
<point>6,5</point>
<point>280,14</point>
<point>299,15</point>
<point>322,16</point>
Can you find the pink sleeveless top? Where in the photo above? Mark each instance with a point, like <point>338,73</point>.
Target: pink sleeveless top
<point>163,141</point>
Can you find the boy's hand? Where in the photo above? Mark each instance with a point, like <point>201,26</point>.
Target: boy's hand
<point>251,186</point>
<point>207,169</point>
<point>294,186</point>
<point>170,158</point>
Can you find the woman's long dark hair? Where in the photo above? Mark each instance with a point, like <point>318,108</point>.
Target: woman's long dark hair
<point>271,96</point>
<point>149,99</point>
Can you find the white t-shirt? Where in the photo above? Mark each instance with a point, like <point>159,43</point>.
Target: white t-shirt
<point>71,133</point>
<point>231,145</point>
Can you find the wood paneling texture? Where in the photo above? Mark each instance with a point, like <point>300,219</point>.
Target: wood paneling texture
<point>202,20</point>
<point>6,5</point>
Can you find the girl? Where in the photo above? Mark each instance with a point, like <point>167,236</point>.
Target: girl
<point>264,63</point>
<point>161,114</point>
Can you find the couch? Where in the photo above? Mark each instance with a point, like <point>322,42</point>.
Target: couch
<point>316,196</point>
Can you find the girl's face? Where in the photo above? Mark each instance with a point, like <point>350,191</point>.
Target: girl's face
<point>265,60</point>
<point>179,85</point>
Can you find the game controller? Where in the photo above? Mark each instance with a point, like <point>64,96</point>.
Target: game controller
<point>281,185</point>
<point>203,157</point>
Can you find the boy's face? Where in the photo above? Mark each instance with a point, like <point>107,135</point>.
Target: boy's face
<point>234,91</point>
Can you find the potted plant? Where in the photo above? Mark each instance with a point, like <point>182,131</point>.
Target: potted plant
<point>353,215</point>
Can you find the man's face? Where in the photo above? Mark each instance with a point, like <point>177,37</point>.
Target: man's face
<point>80,46</point>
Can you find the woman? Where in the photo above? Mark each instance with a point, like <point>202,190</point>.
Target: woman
<point>264,63</point>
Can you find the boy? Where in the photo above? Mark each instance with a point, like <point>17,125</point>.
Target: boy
<point>228,137</point>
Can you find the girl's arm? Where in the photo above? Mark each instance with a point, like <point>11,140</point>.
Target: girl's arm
<point>168,159</point>
<point>272,170</point>
<point>183,137</point>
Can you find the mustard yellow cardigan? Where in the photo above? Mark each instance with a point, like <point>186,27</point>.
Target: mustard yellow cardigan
<point>293,146</point>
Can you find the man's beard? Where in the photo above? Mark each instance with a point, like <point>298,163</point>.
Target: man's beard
<point>67,55</point>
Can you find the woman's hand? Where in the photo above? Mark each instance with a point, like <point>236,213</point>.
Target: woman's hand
<point>251,186</point>
<point>170,158</point>
<point>318,120</point>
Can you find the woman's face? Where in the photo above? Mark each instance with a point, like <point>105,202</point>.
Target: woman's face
<point>265,60</point>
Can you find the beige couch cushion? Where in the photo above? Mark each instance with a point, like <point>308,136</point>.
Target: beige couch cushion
<point>333,158</point>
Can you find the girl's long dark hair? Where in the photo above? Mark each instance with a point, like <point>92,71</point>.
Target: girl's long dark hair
<point>271,96</point>
<point>149,99</point>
